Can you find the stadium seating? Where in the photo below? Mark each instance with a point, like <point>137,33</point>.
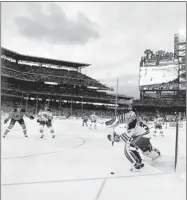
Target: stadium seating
<point>38,74</point>
<point>24,79</point>
<point>160,102</point>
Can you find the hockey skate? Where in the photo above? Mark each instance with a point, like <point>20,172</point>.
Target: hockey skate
<point>42,136</point>
<point>53,136</point>
<point>137,167</point>
<point>25,135</point>
<point>159,156</point>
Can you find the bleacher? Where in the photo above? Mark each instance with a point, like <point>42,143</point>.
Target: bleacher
<point>32,80</point>
<point>44,74</point>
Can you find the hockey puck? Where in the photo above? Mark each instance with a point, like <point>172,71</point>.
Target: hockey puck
<point>111,172</point>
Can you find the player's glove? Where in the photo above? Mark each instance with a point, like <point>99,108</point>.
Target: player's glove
<point>113,138</point>
<point>5,121</point>
<point>31,117</point>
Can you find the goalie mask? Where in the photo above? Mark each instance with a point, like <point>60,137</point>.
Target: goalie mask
<point>130,116</point>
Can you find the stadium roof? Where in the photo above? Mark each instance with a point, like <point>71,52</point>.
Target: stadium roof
<point>27,58</point>
<point>121,96</point>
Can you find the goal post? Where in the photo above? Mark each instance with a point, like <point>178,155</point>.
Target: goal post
<point>176,143</point>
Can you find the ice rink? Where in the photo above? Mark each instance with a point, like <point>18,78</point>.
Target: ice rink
<point>77,164</point>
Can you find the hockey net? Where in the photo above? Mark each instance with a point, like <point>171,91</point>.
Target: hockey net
<point>172,147</point>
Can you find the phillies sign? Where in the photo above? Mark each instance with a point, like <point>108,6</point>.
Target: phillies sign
<point>159,55</point>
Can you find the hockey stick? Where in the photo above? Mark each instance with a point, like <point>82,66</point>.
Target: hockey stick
<point>66,117</point>
<point>113,138</point>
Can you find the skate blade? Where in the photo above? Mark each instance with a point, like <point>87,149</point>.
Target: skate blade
<point>157,158</point>
<point>136,170</point>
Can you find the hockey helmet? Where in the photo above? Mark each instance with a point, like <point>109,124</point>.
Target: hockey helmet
<point>130,116</point>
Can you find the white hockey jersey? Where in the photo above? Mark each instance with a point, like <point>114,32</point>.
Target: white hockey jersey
<point>135,126</point>
<point>159,121</point>
<point>140,129</point>
<point>93,118</point>
<point>45,115</point>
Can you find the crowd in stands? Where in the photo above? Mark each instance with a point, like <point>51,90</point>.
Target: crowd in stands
<point>7,107</point>
<point>160,102</point>
<point>167,116</point>
<point>44,74</point>
<point>54,91</point>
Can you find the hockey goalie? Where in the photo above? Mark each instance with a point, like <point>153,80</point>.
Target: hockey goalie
<point>136,138</point>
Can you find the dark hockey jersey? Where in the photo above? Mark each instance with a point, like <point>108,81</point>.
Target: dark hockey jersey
<point>17,115</point>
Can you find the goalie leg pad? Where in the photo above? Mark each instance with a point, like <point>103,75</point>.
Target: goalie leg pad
<point>132,155</point>
<point>141,142</point>
<point>152,153</point>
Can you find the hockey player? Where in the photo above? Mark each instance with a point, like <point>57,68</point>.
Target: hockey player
<point>158,122</point>
<point>85,120</point>
<point>93,120</point>
<point>45,117</point>
<point>17,116</point>
<point>136,138</point>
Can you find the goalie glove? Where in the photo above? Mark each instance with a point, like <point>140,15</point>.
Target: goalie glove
<point>113,138</point>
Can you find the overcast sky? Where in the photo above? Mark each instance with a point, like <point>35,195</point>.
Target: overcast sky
<point>111,36</point>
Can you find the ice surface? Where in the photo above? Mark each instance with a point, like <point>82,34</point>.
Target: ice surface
<point>77,164</point>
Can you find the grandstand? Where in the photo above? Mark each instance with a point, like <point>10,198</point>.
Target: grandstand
<point>162,81</point>
<point>33,81</point>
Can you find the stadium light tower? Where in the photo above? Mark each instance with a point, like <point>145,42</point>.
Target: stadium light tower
<point>180,55</point>
<point>116,102</point>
